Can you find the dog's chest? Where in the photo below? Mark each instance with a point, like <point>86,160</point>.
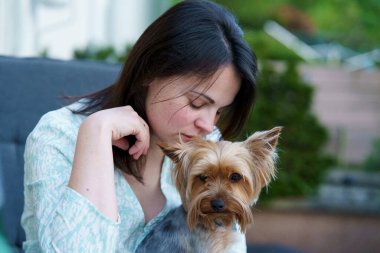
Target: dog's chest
<point>173,235</point>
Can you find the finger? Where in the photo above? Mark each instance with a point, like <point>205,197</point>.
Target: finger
<point>148,137</point>
<point>137,149</point>
<point>140,146</point>
<point>143,138</point>
<point>121,143</point>
<point>135,153</point>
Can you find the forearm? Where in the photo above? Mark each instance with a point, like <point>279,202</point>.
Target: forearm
<point>93,170</point>
<point>56,216</point>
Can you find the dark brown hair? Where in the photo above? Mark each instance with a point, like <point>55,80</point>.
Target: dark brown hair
<point>193,37</point>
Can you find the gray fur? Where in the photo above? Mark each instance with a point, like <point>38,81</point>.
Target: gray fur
<point>173,235</point>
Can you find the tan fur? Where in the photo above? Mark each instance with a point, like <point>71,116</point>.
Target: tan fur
<point>205,171</point>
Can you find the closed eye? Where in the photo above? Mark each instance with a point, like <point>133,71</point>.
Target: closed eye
<point>197,104</point>
<point>198,100</point>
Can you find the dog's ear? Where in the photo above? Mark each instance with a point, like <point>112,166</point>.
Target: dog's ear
<point>266,140</point>
<point>178,154</point>
<point>174,152</point>
<point>262,147</point>
<point>178,151</point>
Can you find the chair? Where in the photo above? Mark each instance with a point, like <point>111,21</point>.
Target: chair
<point>30,87</point>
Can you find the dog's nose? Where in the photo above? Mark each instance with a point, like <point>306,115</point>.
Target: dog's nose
<point>217,204</point>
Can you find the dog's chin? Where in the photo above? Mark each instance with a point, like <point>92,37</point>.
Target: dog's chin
<point>221,219</point>
<point>201,213</point>
<point>214,220</point>
<point>211,220</point>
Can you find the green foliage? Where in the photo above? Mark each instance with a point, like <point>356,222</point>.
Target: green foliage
<point>372,162</point>
<point>354,23</point>
<point>106,54</point>
<point>284,99</point>
<point>252,14</point>
<point>265,47</point>
<point>174,2</point>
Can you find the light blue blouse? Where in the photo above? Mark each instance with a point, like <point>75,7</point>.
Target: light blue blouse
<point>58,219</point>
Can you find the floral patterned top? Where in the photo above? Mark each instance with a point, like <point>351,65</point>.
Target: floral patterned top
<point>58,219</point>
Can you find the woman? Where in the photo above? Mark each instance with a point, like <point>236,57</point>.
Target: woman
<point>95,179</point>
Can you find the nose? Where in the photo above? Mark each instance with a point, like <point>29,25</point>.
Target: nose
<point>206,122</point>
<point>217,204</point>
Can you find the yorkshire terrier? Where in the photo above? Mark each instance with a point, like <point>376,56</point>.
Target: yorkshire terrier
<point>218,184</point>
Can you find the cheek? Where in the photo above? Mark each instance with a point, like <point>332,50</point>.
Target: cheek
<point>196,188</point>
<point>169,118</point>
<point>241,190</point>
<point>244,190</point>
<point>162,113</point>
<point>181,117</point>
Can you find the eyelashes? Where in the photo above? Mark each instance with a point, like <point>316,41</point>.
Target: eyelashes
<point>195,104</point>
<point>198,101</point>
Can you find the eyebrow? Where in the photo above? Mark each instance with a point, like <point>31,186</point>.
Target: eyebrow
<point>212,101</point>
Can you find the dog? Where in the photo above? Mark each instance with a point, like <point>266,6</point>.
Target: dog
<point>218,184</point>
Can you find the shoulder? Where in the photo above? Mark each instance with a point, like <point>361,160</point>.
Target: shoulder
<point>56,125</point>
<point>49,148</point>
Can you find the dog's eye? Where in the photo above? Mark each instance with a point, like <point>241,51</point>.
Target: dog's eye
<point>203,178</point>
<point>235,177</point>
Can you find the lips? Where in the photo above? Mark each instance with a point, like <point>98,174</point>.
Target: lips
<point>186,137</point>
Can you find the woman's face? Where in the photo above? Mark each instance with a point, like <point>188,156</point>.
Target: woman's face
<point>180,106</point>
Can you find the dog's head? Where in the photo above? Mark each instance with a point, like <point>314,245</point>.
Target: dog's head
<point>219,182</point>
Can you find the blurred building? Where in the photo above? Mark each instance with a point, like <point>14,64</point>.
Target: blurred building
<point>57,27</point>
<point>347,92</point>
<point>348,103</point>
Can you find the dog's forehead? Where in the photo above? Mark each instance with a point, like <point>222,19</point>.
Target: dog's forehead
<point>223,153</point>
<point>230,149</point>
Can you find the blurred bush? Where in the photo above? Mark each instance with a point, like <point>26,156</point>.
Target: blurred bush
<point>354,24</point>
<point>105,53</point>
<point>284,99</point>
<point>372,162</point>
<point>265,47</point>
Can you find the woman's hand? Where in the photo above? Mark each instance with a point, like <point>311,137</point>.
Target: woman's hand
<point>123,122</point>
<point>92,174</point>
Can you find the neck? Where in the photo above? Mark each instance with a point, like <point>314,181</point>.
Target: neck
<point>155,154</point>
<point>152,169</point>
<point>153,165</point>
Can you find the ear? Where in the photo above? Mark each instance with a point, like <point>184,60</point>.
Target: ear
<point>265,139</point>
<point>177,153</point>
<point>262,147</point>
<point>174,152</point>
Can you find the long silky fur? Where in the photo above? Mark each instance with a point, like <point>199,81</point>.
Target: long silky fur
<point>254,159</point>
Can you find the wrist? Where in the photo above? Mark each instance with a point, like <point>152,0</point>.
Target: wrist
<point>95,127</point>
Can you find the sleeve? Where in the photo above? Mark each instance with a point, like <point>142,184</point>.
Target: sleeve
<point>57,218</point>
